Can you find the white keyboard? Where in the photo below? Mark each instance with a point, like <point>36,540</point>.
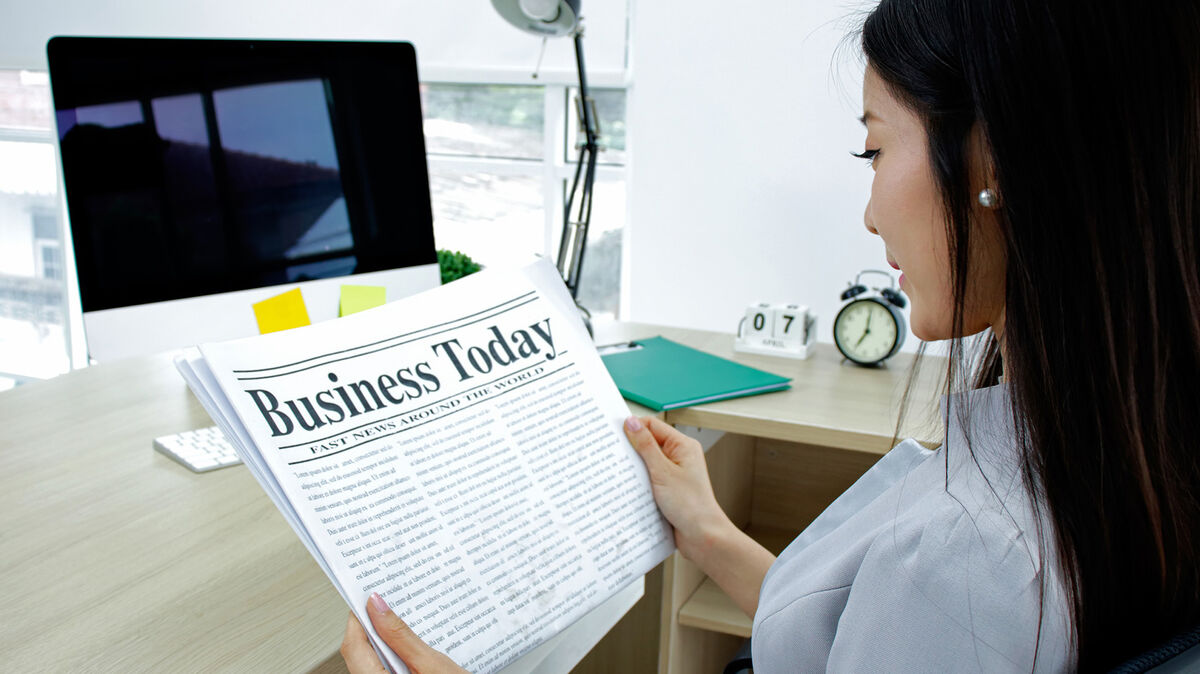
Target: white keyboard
<point>201,450</point>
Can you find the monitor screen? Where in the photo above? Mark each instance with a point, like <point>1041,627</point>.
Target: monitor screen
<point>199,167</point>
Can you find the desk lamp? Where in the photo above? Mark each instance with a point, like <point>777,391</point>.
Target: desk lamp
<point>556,18</point>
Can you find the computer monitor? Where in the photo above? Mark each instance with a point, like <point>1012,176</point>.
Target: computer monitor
<point>203,176</point>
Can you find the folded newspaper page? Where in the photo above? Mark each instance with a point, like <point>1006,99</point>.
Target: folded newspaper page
<point>460,452</point>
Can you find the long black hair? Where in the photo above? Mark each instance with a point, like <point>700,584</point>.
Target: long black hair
<point>1090,113</point>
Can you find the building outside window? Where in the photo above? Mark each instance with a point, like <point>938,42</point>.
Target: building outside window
<point>33,317</point>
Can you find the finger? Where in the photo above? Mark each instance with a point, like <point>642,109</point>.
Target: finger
<point>668,437</point>
<point>398,635</point>
<point>643,441</point>
<point>357,652</point>
<point>662,431</point>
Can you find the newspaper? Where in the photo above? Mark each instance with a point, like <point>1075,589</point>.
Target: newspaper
<point>460,452</point>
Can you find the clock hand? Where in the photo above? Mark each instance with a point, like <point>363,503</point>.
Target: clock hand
<point>865,332</point>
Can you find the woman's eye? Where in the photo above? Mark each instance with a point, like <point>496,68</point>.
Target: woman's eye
<point>869,155</point>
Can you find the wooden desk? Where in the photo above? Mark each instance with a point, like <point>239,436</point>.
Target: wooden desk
<point>114,557</point>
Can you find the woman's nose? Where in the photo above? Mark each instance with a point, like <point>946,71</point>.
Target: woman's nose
<point>867,220</point>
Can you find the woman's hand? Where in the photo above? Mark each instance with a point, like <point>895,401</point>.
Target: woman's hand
<point>361,659</point>
<point>703,532</point>
<point>679,478</point>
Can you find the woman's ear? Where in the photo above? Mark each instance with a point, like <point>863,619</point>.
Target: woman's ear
<point>984,188</point>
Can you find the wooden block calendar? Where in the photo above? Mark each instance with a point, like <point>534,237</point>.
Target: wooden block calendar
<point>787,330</point>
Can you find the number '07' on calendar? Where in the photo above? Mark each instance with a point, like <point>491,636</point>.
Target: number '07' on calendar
<point>460,452</point>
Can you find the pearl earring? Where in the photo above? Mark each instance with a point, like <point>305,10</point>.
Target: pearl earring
<point>988,198</point>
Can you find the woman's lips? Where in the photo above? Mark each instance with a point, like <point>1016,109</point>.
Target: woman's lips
<point>895,266</point>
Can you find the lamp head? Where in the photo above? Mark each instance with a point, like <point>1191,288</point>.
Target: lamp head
<point>548,18</point>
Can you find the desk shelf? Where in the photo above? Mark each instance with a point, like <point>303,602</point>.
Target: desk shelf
<point>709,608</point>
<point>772,489</point>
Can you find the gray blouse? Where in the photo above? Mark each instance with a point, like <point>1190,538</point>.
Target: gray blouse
<point>929,562</point>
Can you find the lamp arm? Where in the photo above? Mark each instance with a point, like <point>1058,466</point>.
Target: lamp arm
<point>566,244</point>
<point>589,124</point>
<point>585,212</point>
<point>574,233</point>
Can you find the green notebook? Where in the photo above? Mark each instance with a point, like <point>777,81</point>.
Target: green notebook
<point>664,375</point>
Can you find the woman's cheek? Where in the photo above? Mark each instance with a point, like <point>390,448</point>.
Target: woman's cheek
<point>932,311</point>
<point>921,322</point>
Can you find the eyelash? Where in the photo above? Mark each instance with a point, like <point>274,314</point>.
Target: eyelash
<point>869,155</point>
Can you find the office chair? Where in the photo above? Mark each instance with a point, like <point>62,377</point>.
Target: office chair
<point>1180,653</point>
<point>740,664</point>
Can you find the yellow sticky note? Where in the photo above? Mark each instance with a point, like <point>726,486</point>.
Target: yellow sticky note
<point>281,312</point>
<point>357,298</point>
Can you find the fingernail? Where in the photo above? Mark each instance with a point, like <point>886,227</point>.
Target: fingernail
<point>633,424</point>
<point>378,603</point>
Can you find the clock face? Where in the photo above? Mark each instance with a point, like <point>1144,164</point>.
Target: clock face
<point>865,331</point>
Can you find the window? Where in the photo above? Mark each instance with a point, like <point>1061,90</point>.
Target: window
<point>600,277</point>
<point>48,246</point>
<point>34,337</point>
<point>486,145</point>
<point>496,121</point>
<point>50,261</point>
<point>501,160</point>
<point>609,108</point>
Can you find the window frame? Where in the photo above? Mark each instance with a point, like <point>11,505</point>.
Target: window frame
<point>553,169</point>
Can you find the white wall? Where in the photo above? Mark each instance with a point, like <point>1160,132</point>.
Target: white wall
<point>742,187</point>
<point>450,35</point>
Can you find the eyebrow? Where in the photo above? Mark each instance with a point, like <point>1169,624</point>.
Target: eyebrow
<point>867,116</point>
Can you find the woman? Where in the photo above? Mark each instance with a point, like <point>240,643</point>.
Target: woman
<point>1037,180</point>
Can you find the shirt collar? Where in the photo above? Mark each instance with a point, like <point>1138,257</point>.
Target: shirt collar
<point>979,430</point>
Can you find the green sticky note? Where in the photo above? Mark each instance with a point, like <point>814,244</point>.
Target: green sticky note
<point>281,312</point>
<point>357,298</point>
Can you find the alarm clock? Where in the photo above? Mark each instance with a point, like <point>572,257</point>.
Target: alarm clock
<point>871,328</point>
